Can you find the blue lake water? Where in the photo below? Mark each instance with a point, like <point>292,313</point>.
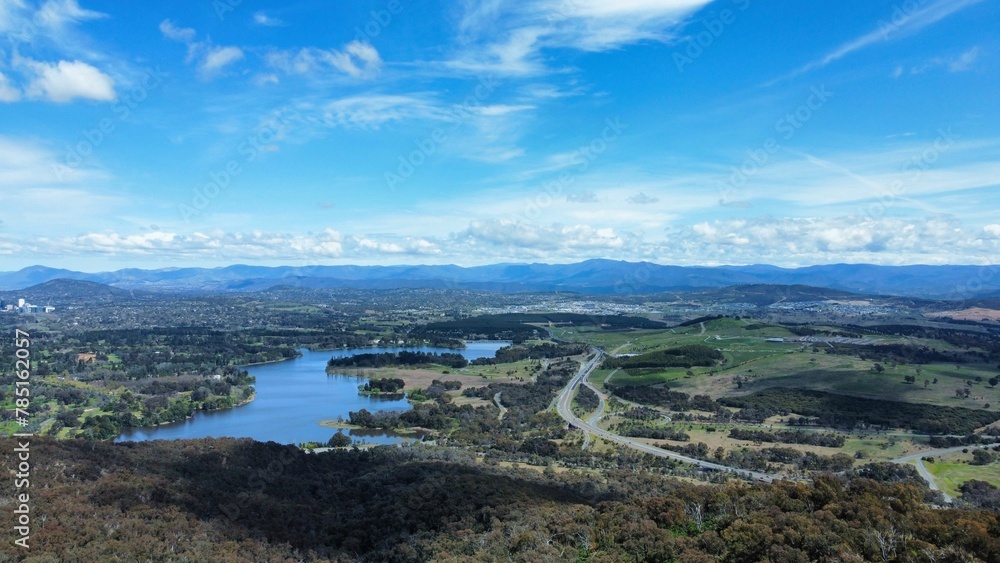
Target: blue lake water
<point>293,397</point>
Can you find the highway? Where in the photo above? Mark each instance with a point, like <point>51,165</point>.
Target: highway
<point>565,399</point>
<point>596,416</point>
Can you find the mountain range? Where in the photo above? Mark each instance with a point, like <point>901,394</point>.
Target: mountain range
<point>592,276</point>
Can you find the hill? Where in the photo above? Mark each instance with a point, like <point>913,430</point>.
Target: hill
<point>239,500</point>
<point>600,277</point>
<point>70,291</point>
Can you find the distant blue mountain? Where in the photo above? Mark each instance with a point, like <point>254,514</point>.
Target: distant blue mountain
<point>591,276</point>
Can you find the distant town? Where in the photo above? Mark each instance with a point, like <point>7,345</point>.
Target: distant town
<point>23,307</point>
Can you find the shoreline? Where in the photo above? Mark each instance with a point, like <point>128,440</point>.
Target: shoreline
<point>243,403</point>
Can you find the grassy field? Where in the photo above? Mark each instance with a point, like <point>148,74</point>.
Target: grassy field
<point>951,472</point>
<point>763,364</point>
<point>523,368</point>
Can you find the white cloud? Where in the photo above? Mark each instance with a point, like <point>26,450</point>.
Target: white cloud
<point>170,31</point>
<point>260,18</point>
<point>217,58</point>
<point>780,241</point>
<point>406,245</point>
<point>67,80</point>
<point>255,245</point>
<point>8,93</point>
<point>812,240</point>
<point>533,237</point>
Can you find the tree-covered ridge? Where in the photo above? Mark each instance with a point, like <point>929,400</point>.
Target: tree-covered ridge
<point>844,411</point>
<point>680,357</point>
<point>518,327</point>
<point>239,500</point>
<point>401,358</point>
<point>518,352</point>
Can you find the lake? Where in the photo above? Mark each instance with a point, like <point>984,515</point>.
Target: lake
<point>293,396</point>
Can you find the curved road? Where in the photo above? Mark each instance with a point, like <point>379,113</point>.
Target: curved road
<point>918,461</point>
<point>503,409</point>
<point>565,398</point>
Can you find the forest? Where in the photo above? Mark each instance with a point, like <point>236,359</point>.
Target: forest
<point>518,352</point>
<point>844,411</point>
<point>239,500</point>
<point>679,357</point>
<point>518,328</point>
<point>401,358</point>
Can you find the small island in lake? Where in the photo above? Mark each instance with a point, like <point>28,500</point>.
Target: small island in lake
<point>384,387</point>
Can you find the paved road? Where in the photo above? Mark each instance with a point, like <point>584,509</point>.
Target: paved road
<point>596,416</point>
<point>665,414</point>
<point>565,398</point>
<point>918,461</point>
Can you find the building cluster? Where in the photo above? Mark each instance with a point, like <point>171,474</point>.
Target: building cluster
<point>23,306</point>
<point>578,307</point>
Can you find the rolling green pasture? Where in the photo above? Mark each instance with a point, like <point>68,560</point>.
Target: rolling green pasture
<point>761,364</point>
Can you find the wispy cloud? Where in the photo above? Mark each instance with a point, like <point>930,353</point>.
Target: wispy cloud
<point>8,92</point>
<point>217,58</point>
<point>211,59</point>
<point>509,38</point>
<point>357,59</point>
<point>642,199</point>
<point>56,14</point>
<point>171,31</point>
<point>959,63</point>
<point>894,27</point>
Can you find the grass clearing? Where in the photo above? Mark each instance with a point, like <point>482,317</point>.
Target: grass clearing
<point>951,471</point>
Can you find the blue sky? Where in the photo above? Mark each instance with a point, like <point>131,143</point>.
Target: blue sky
<point>471,132</point>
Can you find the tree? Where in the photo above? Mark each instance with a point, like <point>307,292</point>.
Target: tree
<point>983,457</point>
<point>993,381</point>
<point>910,378</point>
<point>926,383</point>
<point>879,368</point>
<point>339,440</point>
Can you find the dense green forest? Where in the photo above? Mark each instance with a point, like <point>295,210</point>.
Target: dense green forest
<point>679,357</point>
<point>844,411</point>
<point>518,352</point>
<point>518,326</point>
<point>239,500</point>
<point>401,358</point>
